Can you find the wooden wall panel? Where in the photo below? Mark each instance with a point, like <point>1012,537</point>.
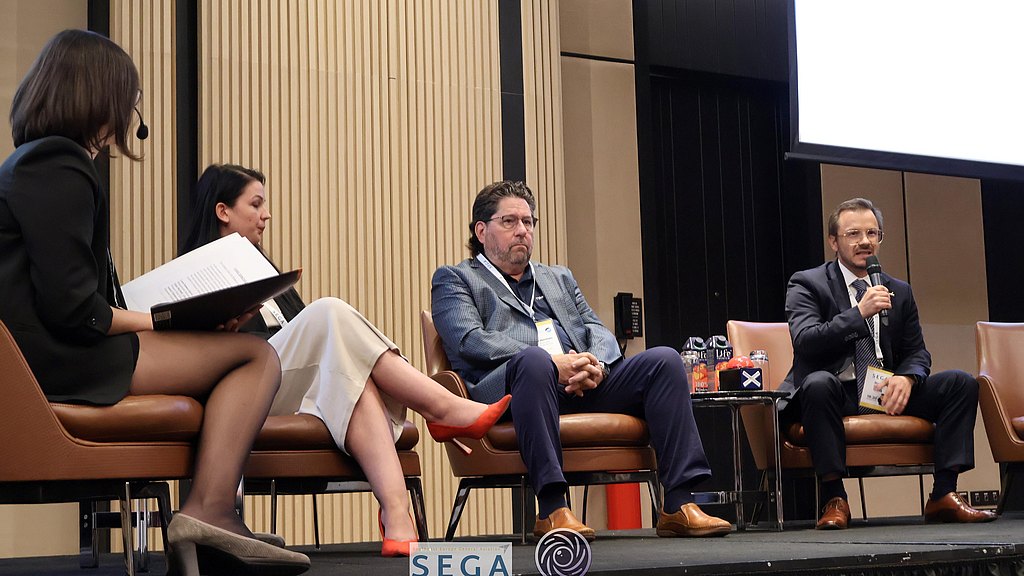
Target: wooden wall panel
<point>597,28</point>
<point>542,89</point>
<point>376,124</point>
<point>602,187</point>
<point>143,194</point>
<point>49,529</point>
<point>885,190</point>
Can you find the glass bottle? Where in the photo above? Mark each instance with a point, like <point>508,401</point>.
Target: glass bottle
<point>691,358</point>
<point>760,360</point>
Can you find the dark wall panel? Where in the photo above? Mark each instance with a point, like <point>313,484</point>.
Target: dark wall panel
<point>726,221</point>
<point>744,38</point>
<point>713,208</point>
<point>1002,204</point>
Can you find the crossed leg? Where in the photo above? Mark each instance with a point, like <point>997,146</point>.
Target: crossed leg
<point>370,428</point>
<point>238,375</point>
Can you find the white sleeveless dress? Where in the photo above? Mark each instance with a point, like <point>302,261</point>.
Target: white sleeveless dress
<point>327,352</point>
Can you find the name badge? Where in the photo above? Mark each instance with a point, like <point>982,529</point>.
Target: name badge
<point>871,398</point>
<point>547,337</point>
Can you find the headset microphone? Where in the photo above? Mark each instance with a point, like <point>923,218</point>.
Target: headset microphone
<point>143,132</point>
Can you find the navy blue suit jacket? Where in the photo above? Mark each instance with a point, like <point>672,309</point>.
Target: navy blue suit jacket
<point>825,326</point>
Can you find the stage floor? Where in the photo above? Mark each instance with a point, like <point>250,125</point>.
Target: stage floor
<point>867,546</point>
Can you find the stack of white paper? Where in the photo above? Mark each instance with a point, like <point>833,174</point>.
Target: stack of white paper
<point>226,262</point>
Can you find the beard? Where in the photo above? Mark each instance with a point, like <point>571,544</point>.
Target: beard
<point>513,258</point>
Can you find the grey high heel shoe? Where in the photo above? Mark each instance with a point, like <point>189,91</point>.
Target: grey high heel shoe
<point>269,538</point>
<point>243,555</point>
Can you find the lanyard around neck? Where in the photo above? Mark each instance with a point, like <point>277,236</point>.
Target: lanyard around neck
<point>490,268</point>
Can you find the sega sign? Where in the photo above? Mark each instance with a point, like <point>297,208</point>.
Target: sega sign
<point>461,559</point>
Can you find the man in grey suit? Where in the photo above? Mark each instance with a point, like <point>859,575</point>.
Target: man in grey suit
<point>514,326</point>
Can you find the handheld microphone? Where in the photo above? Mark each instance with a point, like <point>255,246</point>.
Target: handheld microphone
<point>143,132</point>
<point>875,272</point>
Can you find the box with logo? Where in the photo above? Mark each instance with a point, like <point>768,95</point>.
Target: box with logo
<point>719,354</point>
<point>734,379</point>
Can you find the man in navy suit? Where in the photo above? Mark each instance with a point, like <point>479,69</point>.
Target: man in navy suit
<point>838,334</point>
<point>514,326</point>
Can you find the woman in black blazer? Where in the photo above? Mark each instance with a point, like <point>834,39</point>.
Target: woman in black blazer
<point>59,292</point>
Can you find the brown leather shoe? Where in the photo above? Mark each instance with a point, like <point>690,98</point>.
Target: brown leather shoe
<point>562,518</point>
<point>835,515</point>
<point>951,508</point>
<point>691,522</point>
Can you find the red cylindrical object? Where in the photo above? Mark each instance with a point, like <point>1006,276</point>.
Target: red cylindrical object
<point>623,506</point>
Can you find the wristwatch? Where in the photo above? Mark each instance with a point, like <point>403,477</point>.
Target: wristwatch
<point>605,370</point>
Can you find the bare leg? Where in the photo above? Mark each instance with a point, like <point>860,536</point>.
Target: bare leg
<point>396,378</point>
<point>239,375</point>
<point>367,440</point>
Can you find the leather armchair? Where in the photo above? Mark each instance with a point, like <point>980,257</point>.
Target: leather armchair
<point>876,444</point>
<point>75,453</point>
<point>1001,396</point>
<point>596,448</point>
<point>296,454</point>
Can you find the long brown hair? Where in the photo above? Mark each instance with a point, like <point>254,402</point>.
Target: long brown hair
<point>82,86</point>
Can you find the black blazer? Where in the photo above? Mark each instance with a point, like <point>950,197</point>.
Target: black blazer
<point>825,327</point>
<point>56,284</point>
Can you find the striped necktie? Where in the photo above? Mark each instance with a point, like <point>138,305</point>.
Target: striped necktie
<point>865,350</point>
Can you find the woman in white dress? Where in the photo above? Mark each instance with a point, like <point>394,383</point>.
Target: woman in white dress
<point>335,364</point>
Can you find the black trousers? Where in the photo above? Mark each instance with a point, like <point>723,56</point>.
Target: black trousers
<point>651,385</point>
<point>949,399</point>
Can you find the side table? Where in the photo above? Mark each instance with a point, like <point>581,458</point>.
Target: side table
<point>773,493</point>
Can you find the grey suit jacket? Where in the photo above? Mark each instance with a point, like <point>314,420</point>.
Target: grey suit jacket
<point>482,325</point>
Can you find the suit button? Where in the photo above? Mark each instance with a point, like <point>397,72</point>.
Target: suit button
<point>92,321</point>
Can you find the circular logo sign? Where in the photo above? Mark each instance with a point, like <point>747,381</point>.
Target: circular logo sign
<point>562,552</point>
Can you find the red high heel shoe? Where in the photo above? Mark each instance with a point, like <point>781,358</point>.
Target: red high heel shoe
<point>391,548</point>
<point>476,430</point>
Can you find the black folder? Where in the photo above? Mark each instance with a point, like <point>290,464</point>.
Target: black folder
<point>207,311</point>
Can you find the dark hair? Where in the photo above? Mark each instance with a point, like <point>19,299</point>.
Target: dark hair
<point>486,204</point>
<point>219,183</point>
<point>853,204</point>
<point>83,87</point>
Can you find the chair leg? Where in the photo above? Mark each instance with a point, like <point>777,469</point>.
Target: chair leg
<point>863,504</point>
<point>528,494</point>
<point>762,484</point>
<point>88,543</point>
<point>460,503</point>
<point>240,499</point>
<point>273,506</point>
<point>419,511</point>
<point>142,534</point>
<point>1007,484</point>
<point>163,503</point>
<point>656,499</point>
<point>586,491</point>
<point>127,540</point>
<point>920,491</point>
<point>316,525</point>
<point>161,492</point>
